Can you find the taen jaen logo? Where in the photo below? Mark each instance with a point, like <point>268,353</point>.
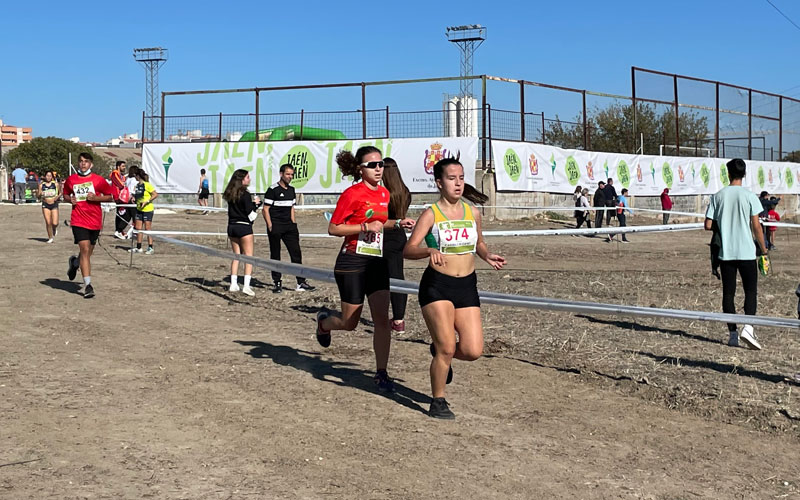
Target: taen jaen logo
<point>304,163</point>
<point>512,164</point>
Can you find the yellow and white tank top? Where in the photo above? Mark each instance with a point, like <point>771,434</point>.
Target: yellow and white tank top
<point>453,237</point>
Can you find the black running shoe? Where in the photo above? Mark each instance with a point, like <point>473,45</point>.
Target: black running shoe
<point>88,291</point>
<point>383,383</point>
<point>72,267</point>
<point>323,337</point>
<point>277,287</point>
<point>450,369</point>
<point>440,409</point>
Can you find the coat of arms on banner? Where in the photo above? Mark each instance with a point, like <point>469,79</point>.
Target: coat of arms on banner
<point>681,173</point>
<point>638,172</point>
<point>534,165</point>
<point>433,155</point>
<point>590,171</point>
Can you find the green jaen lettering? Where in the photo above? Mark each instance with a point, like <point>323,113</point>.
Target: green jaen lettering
<point>236,153</point>
<point>212,172</point>
<point>202,158</point>
<point>261,185</point>
<point>328,180</point>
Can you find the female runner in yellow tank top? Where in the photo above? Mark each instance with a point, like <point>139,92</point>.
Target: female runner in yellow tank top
<point>448,291</point>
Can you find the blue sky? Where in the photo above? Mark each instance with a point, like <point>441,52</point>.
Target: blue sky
<point>67,69</point>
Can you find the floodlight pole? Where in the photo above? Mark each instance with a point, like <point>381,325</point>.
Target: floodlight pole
<point>152,59</point>
<point>468,38</point>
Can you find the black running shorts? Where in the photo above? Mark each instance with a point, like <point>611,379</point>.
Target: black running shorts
<point>50,206</point>
<point>203,194</point>
<point>239,230</point>
<point>462,292</point>
<point>83,234</point>
<point>145,216</point>
<point>359,275</point>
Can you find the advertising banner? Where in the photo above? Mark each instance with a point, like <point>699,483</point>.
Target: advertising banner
<point>175,167</point>
<point>536,167</point>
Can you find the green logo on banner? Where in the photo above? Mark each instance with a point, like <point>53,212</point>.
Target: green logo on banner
<point>760,177</point>
<point>705,174</point>
<point>789,178</point>
<point>666,174</point>
<point>304,164</point>
<point>167,159</point>
<point>573,171</point>
<point>512,164</point>
<point>623,174</point>
<point>723,175</point>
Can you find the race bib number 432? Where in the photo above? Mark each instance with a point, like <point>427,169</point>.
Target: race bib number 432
<point>82,190</point>
<point>370,243</point>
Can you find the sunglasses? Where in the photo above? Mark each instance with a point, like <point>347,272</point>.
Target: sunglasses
<point>372,164</point>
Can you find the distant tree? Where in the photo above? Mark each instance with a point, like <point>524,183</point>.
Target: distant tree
<point>794,156</point>
<point>611,130</point>
<point>51,153</point>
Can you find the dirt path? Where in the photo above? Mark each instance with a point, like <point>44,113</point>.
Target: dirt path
<point>167,386</point>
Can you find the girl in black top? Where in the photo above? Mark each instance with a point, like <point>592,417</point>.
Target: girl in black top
<point>394,238</point>
<point>49,193</point>
<point>242,211</point>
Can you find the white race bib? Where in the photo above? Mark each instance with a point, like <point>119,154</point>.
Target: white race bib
<point>457,236</point>
<point>370,243</point>
<point>82,190</point>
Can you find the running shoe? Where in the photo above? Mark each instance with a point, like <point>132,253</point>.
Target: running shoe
<point>399,326</point>
<point>749,338</point>
<point>248,291</point>
<point>383,382</point>
<point>305,286</point>
<point>277,287</point>
<point>150,251</point>
<point>50,240</point>
<point>88,291</point>
<point>440,409</point>
<point>72,267</point>
<point>119,235</point>
<point>733,339</point>
<point>450,369</point>
<point>135,250</point>
<point>323,336</point>
<point>234,287</point>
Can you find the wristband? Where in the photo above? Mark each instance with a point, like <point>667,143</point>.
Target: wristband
<point>363,227</point>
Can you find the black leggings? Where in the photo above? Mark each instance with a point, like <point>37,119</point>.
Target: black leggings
<point>583,218</point>
<point>393,242</point>
<point>123,218</point>
<point>748,270</point>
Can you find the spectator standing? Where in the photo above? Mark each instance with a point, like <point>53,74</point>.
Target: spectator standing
<point>772,216</point>
<point>599,201</point>
<point>666,205</point>
<point>735,211</point>
<point>611,199</point>
<point>20,177</point>
<point>582,212</point>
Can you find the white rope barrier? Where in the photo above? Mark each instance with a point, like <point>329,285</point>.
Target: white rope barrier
<point>410,287</point>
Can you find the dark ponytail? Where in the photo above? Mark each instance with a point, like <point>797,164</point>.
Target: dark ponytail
<point>351,165</point>
<point>470,193</point>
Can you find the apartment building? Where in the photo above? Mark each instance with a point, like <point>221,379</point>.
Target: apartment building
<point>11,136</point>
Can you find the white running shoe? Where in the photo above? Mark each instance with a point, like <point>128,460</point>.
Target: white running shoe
<point>749,338</point>
<point>119,235</point>
<point>234,287</point>
<point>248,291</point>
<point>135,250</point>
<point>50,240</point>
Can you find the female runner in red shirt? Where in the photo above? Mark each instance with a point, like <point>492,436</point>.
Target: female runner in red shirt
<point>361,269</point>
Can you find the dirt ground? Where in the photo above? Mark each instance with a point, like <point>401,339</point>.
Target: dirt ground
<point>166,385</point>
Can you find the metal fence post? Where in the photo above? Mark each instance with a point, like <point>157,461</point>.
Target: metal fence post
<point>143,136</point>
<point>220,126</point>
<point>633,101</point>
<point>543,142</point>
<point>780,127</point>
<point>162,117</point>
<point>257,111</point>
<point>363,110</point>
<point>387,122</point>
<point>749,124</point>
<point>716,126</point>
<point>483,122</point>
<point>677,116</point>
<point>302,119</point>
<point>585,136</point>
<point>522,110</point>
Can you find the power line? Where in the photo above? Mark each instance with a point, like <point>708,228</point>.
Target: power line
<point>784,15</point>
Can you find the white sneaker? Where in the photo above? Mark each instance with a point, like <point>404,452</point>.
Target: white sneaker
<point>50,240</point>
<point>749,338</point>
<point>234,287</point>
<point>248,291</point>
<point>135,250</point>
<point>119,235</point>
